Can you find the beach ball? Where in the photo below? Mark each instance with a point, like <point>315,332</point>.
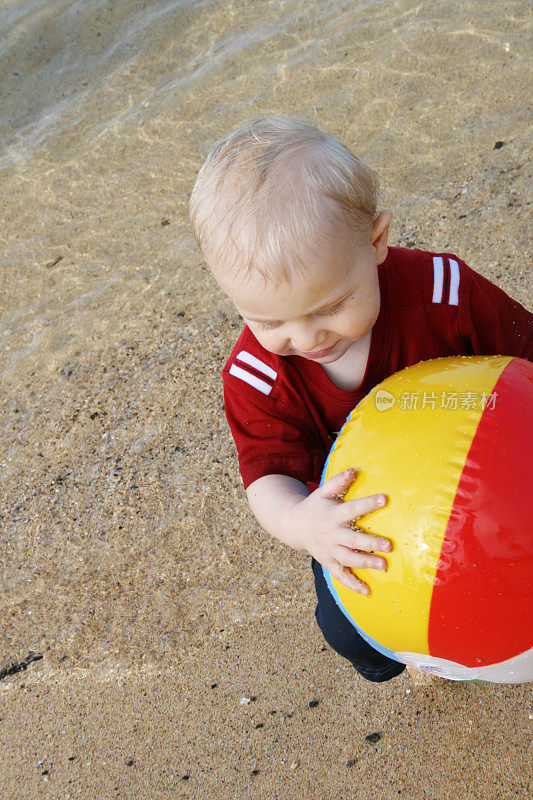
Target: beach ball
<point>449,441</point>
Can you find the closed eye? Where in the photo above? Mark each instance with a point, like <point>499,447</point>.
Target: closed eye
<point>268,326</point>
<point>271,325</point>
<point>328,312</point>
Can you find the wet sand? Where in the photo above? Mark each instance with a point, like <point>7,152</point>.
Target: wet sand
<point>166,646</point>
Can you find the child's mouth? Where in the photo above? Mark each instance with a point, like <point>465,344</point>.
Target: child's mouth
<point>319,353</point>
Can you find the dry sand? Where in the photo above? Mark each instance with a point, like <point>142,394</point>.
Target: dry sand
<point>137,589</point>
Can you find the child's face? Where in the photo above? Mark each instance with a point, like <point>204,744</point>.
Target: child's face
<point>322,312</point>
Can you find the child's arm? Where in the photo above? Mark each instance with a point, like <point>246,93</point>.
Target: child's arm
<point>490,320</point>
<point>319,523</point>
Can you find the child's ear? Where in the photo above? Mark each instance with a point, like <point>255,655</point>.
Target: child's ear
<point>380,234</point>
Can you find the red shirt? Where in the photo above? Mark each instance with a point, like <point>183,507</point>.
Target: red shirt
<point>284,412</point>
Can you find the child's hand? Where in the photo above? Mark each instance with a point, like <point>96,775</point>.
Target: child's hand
<point>324,524</point>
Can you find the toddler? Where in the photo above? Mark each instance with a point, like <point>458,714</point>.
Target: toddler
<point>286,218</point>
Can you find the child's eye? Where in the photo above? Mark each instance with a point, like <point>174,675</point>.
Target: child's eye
<point>328,312</point>
<point>268,326</point>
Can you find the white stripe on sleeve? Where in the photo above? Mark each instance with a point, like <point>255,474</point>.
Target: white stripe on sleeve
<point>260,366</point>
<point>247,377</point>
<point>454,282</point>
<point>438,279</point>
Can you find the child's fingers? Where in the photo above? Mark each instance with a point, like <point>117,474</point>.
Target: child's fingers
<point>338,484</point>
<point>358,560</point>
<point>353,509</point>
<point>348,579</point>
<point>359,540</point>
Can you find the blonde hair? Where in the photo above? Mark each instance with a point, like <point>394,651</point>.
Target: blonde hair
<point>268,187</point>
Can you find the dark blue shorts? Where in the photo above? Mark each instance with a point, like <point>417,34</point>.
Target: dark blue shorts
<point>343,637</point>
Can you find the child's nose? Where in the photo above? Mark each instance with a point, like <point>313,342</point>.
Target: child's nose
<point>306,338</point>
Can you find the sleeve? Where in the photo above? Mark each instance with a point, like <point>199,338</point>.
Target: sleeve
<point>490,320</point>
<point>269,438</point>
